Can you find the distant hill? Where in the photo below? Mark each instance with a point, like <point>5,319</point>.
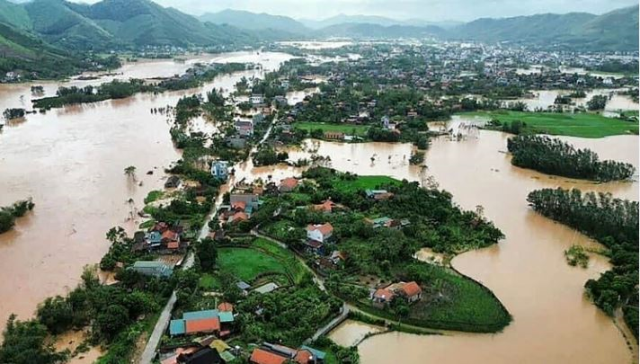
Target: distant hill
<point>616,30</point>
<point>253,21</point>
<point>369,31</point>
<point>349,19</point>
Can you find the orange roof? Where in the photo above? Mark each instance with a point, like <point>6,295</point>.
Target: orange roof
<point>202,325</point>
<point>326,206</point>
<point>325,229</point>
<point>170,235</point>
<point>302,357</point>
<point>383,293</point>
<point>260,356</point>
<point>240,216</point>
<point>225,307</point>
<point>411,289</point>
<point>289,182</point>
<point>173,245</point>
<point>240,205</point>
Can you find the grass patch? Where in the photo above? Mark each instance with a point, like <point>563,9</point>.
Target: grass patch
<point>147,224</point>
<point>247,264</point>
<point>209,282</point>
<point>153,196</point>
<point>584,125</point>
<point>360,130</point>
<point>289,261</point>
<point>363,183</point>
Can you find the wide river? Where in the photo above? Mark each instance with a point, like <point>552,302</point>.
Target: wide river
<point>71,162</point>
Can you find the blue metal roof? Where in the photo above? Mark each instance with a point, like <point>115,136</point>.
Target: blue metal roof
<point>177,327</point>
<point>199,315</point>
<point>226,317</point>
<point>317,353</point>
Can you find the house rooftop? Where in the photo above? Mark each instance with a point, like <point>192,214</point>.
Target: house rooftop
<point>261,356</point>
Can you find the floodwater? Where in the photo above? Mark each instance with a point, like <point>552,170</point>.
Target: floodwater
<point>553,320</point>
<point>545,98</point>
<point>351,332</point>
<point>71,162</point>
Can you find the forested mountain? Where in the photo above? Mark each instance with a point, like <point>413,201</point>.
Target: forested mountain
<point>253,21</point>
<point>616,30</point>
<point>115,23</point>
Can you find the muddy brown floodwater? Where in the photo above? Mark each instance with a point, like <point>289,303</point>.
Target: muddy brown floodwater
<point>71,162</point>
<point>553,321</point>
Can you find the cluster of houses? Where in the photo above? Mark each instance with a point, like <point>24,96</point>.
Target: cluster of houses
<point>162,238</point>
<point>278,354</point>
<point>410,291</point>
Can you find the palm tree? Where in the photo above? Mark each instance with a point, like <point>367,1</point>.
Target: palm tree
<point>130,172</point>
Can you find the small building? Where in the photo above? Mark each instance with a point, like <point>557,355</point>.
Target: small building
<point>152,268</point>
<point>288,184</point>
<point>244,127</point>
<point>256,99</point>
<point>411,291</point>
<point>333,135</point>
<point>220,170</point>
<point>320,233</point>
<point>205,355</point>
<point>249,200</point>
<point>326,207</point>
<point>197,322</point>
<point>261,356</point>
<point>266,288</point>
<point>378,195</point>
<point>382,297</point>
<point>172,182</point>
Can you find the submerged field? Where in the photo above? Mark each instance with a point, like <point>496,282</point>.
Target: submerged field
<point>584,125</point>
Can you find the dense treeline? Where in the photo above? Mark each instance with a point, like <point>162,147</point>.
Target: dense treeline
<point>15,113</point>
<point>9,214</point>
<point>553,156</point>
<point>614,223</point>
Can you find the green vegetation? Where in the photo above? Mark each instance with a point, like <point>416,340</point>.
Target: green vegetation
<point>554,156</point>
<point>27,342</point>
<point>10,114</point>
<point>247,264</point>
<point>347,183</point>
<point>359,130</point>
<point>9,214</point>
<point>153,196</point>
<point>585,125</point>
<point>576,255</point>
<point>613,223</point>
<point>386,254</point>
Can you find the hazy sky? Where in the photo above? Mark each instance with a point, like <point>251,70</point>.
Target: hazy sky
<point>401,9</point>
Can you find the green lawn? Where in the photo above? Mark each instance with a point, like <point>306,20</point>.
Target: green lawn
<point>584,125</point>
<point>347,129</point>
<point>286,257</point>
<point>247,264</point>
<point>363,183</point>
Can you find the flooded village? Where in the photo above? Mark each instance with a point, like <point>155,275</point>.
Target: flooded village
<point>318,208</point>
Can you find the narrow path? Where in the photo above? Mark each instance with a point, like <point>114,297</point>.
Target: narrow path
<point>344,313</point>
